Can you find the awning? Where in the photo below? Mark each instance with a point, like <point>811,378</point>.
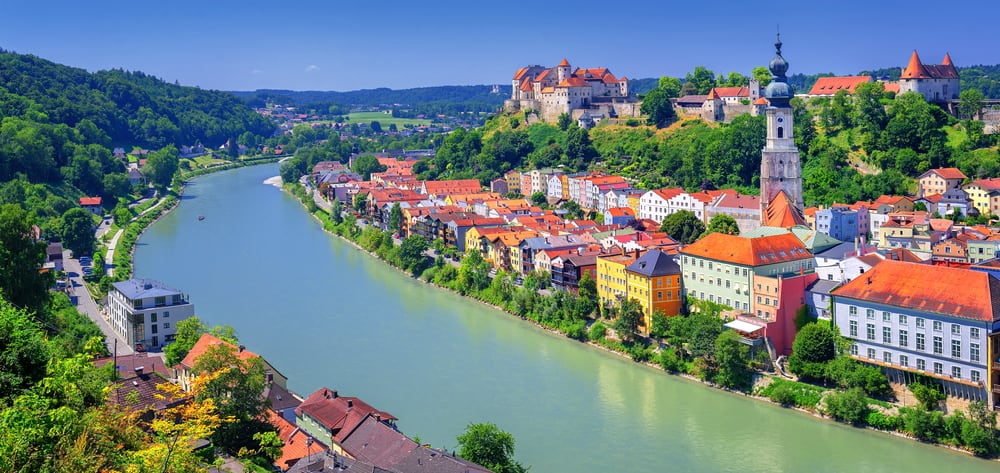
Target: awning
<point>741,326</point>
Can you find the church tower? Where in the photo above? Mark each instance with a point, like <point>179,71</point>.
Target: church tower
<point>780,170</point>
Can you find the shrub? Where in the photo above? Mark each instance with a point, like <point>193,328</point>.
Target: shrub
<point>923,424</point>
<point>849,406</point>
<point>597,331</point>
<point>576,330</point>
<point>783,394</point>
<point>881,421</point>
<point>789,393</point>
<point>669,361</point>
<point>927,391</point>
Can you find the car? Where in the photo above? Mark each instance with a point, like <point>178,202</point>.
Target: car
<point>85,261</point>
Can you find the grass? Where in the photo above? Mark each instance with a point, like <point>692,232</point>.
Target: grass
<point>207,160</point>
<point>383,119</point>
<point>956,136</point>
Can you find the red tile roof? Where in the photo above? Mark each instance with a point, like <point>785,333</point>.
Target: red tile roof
<point>990,184</point>
<point>573,82</point>
<point>947,173</point>
<point>781,213</point>
<point>749,251</point>
<point>830,85</point>
<point>917,70</point>
<point>914,69</point>
<point>338,414</point>
<point>296,441</point>
<point>90,201</point>
<point>731,91</point>
<point>564,63</point>
<point>760,101</point>
<point>953,292</point>
<point>621,212</point>
<point>207,341</point>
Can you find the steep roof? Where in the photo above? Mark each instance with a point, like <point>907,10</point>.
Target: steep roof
<point>564,63</point>
<point>297,444</point>
<point>914,69</point>
<point>945,173</point>
<point>749,251</point>
<point>941,290</point>
<point>337,413</point>
<point>781,213</point>
<point>207,341</point>
<point>830,85</point>
<point>377,443</point>
<point>989,184</point>
<point>655,263</point>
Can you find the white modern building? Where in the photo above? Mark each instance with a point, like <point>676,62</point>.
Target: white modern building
<point>146,312</point>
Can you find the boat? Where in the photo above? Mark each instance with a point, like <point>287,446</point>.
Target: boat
<point>201,217</point>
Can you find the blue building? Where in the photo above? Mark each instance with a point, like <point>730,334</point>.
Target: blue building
<point>838,222</point>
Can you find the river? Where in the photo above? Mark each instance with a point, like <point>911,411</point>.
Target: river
<point>326,314</point>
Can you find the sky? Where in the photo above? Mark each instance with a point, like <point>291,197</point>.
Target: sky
<point>362,44</point>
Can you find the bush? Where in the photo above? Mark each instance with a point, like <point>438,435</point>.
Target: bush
<point>813,347</point>
<point>639,352</point>
<point>923,424</point>
<point>783,394</point>
<point>791,393</point>
<point>669,361</point>
<point>927,391</point>
<point>576,330</point>
<point>881,421</point>
<point>849,406</point>
<point>597,331</point>
<point>848,373</point>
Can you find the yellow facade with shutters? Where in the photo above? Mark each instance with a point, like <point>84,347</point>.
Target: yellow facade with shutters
<point>612,279</point>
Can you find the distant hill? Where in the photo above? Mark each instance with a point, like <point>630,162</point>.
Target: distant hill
<point>132,108</point>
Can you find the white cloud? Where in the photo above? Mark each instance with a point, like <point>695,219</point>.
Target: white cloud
<point>312,68</point>
<point>256,72</point>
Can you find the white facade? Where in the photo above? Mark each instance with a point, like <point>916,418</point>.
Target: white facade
<point>146,312</point>
<point>653,206</point>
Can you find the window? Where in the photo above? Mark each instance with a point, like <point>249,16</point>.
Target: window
<point>727,284</point>
<point>974,352</point>
<point>871,353</point>
<point>886,334</point>
<point>709,265</point>
<point>921,342</point>
<point>956,371</point>
<point>938,346</point>
<point>974,332</point>
<point>974,376</point>
<point>152,317</point>
<point>854,350</point>
<point>854,328</point>
<point>904,338</point>
<point>166,314</point>
<point>154,328</point>
<point>904,360</point>
<point>902,319</point>
<point>887,357</point>
<point>956,329</point>
<point>871,331</point>
<point>956,348</point>
<point>161,301</point>
<point>166,325</point>
<point>886,317</point>
<point>870,314</point>
<point>758,299</point>
<point>659,295</point>
<point>921,364</point>
<point>920,322</point>
<point>937,325</point>
<point>853,311</point>
<point>938,368</point>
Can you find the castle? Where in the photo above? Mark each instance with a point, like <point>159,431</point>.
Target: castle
<point>584,94</point>
<point>937,82</point>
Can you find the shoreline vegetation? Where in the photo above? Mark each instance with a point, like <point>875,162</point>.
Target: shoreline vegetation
<point>854,397</point>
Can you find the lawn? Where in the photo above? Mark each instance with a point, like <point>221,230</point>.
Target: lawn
<point>207,161</point>
<point>384,119</point>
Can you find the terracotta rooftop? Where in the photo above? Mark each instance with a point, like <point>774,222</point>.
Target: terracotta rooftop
<point>297,444</point>
<point>207,341</point>
<point>990,184</point>
<point>731,91</point>
<point>337,413</point>
<point>941,290</point>
<point>90,201</point>
<point>781,213</point>
<point>946,173</point>
<point>749,251</point>
<point>830,85</point>
<point>564,63</point>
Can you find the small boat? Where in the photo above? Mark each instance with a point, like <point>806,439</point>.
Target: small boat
<point>201,217</point>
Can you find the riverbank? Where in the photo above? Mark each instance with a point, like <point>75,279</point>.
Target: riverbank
<point>798,396</point>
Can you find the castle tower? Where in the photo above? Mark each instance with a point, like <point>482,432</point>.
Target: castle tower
<point>562,70</point>
<point>780,170</point>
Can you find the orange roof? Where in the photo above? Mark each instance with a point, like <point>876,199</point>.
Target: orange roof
<point>781,213</point>
<point>749,251</point>
<point>525,86</point>
<point>207,341</point>
<point>572,82</point>
<point>712,95</point>
<point>459,186</point>
<point>891,87</point>
<point>621,212</point>
<point>947,60</point>
<point>760,101</point>
<point>990,184</point>
<point>731,91</point>
<point>296,441</point>
<point>915,69</point>
<point>668,193</point>
<point>953,292</point>
<point>947,173</point>
<point>564,63</point>
<point>90,201</point>
<point>830,85</point>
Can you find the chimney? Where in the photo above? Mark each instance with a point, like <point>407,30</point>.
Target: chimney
<point>138,370</point>
<point>350,403</point>
<point>241,348</point>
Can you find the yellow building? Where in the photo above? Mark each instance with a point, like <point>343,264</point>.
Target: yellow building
<point>612,280</point>
<point>654,280</point>
<point>474,238</point>
<point>985,195</point>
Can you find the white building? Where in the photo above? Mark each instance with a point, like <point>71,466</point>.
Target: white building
<point>654,205</point>
<point>146,312</point>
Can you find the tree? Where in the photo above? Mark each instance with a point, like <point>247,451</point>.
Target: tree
<point>24,352</point>
<point>539,198</point>
<point>116,184</point>
<point>979,432</point>
<point>762,74</point>
<point>629,318</point>
<point>703,80</point>
<point>235,387</point>
<point>336,212</point>
<point>722,224</point>
<point>660,324</point>
<point>658,108</point>
<point>22,283</point>
<point>683,226</point>
<point>411,254</point>
<point>670,86</point>
<point>122,214</point>
<point>360,202</point>
<point>396,218</point>
<point>564,121</point>
<point>970,103</point>
<point>732,358</point>
<point>188,332</point>
<point>485,444</point>
<point>161,166</point>
<point>78,231</point>
<point>366,164</point>
<point>849,406</point>
<point>376,126</point>
<point>814,346</point>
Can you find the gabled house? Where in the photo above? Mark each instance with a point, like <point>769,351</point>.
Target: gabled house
<point>331,418</point>
<point>939,181</point>
<point>185,371</point>
<point>92,205</point>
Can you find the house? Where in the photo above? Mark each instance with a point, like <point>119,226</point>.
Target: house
<point>499,185</point>
<point>925,320</point>
<point>939,181</point>
<point>184,372</point>
<point>440,189</point>
<point>330,417</point>
<point>654,280</point>
<point>54,256</point>
<point>135,177</point>
<point>377,443</point>
<point>840,222</point>
<point>127,365</point>
<point>612,279</point>
<point>145,312</point>
<point>829,86</point>
<point>744,209</point>
<point>296,443</point>
<point>619,216</point>
<point>936,82</point>
<point>92,205</point>
<point>139,392</point>
<point>655,204</point>
<point>569,269</point>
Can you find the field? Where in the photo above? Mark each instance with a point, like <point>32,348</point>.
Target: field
<point>384,119</point>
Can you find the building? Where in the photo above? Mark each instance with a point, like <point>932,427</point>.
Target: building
<point>330,417</point>
<point>932,320</point>
<point>92,205</point>
<point>612,278</point>
<point>184,372</point>
<point>839,222</point>
<point>145,312</point>
<point>554,91</point>
<point>828,86</point>
<point>984,195</point>
<point>939,181</point>
<point>780,170</point>
<point>654,279</point>
<point>936,82</point>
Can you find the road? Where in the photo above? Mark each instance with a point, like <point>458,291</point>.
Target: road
<point>87,306</point>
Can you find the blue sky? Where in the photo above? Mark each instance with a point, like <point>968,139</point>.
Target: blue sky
<point>355,44</point>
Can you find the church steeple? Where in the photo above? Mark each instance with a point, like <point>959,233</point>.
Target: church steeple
<point>780,169</point>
